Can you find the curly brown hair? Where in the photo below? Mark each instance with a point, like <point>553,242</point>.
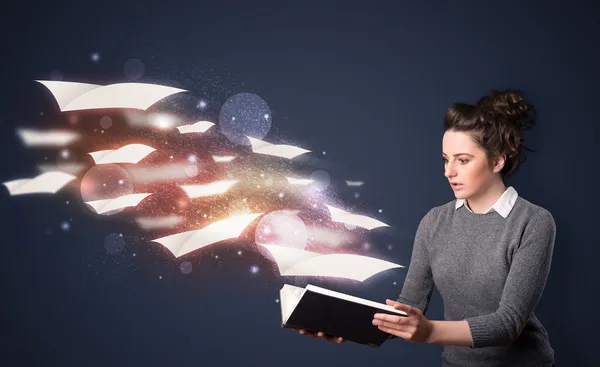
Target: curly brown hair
<point>497,123</point>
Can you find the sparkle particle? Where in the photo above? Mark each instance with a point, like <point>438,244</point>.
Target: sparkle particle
<point>201,105</point>
<point>380,210</point>
<point>254,269</point>
<point>95,57</point>
<point>239,252</point>
<point>65,226</point>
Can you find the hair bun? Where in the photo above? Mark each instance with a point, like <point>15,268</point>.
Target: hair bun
<point>510,106</point>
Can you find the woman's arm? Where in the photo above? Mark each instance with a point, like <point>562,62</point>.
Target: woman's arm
<point>450,333</point>
<point>523,287</point>
<point>418,284</point>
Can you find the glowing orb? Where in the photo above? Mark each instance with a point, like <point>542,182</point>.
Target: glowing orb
<point>282,228</point>
<point>105,181</point>
<point>242,115</point>
<point>114,243</point>
<point>321,180</point>
<point>133,69</point>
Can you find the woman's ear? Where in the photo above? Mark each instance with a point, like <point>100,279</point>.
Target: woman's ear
<point>498,163</point>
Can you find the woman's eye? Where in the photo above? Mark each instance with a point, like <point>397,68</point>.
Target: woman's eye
<point>463,161</point>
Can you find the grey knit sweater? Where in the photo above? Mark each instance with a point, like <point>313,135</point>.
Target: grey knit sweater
<point>490,271</point>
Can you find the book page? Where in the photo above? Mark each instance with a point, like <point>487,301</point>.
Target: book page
<point>350,298</point>
<point>289,297</point>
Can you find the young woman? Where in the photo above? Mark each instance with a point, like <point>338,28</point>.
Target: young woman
<point>488,252</point>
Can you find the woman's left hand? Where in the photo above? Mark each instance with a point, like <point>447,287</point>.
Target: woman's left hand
<point>415,328</point>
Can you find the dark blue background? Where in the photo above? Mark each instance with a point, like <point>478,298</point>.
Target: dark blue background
<point>370,85</point>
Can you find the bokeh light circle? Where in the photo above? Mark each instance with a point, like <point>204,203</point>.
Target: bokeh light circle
<point>283,228</point>
<point>321,180</point>
<point>114,243</point>
<point>133,69</point>
<point>245,114</point>
<point>105,181</point>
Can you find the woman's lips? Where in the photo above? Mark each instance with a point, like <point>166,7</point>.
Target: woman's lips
<point>456,187</point>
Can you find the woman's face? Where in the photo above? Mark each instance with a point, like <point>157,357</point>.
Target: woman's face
<point>466,165</point>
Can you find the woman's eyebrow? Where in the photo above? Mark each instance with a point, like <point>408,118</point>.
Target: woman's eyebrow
<point>457,154</point>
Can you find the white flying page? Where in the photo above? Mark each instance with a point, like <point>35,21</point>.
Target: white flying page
<point>354,183</point>
<point>299,181</point>
<point>71,168</point>
<point>47,138</point>
<point>210,189</point>
<point>341,216</point>
<point>223,159</point>
<point>107,205</point>
<point>48,182</point>
<point>198,127</point>
<point>131,153</point>
<point>186,242</point>
<point>72,96</point>
<point>279,150</point>
<point>296,262</point>
<point>159,222</point>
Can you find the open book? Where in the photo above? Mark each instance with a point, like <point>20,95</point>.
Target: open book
<point>336,314</point>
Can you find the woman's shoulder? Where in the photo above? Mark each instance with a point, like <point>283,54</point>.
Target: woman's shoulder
<point>437,212</point>
<point>528,209</point>
<point>530,215</point>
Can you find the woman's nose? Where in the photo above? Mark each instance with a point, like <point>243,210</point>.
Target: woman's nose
<point>449,171</point>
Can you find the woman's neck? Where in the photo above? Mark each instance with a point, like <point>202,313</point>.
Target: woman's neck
<point>483,202</point>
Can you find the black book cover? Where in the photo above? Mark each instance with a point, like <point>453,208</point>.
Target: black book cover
<point>338,317</point>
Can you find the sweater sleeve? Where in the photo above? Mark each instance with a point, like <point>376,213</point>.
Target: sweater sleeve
<point>418,284</point>
<point>523,288</point>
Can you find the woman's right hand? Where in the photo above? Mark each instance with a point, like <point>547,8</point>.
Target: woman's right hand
<point>320,334</point>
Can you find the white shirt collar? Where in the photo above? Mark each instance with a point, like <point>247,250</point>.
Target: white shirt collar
<point>502,206</point>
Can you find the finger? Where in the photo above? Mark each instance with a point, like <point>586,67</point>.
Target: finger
<point>402,334</point>
<point>390,302</point>
<point>307,333</point>
<point>325,337</point>
<point>340,340</point>
<point>389,318</point>
<point>406,308</point>
<point>391,325</point>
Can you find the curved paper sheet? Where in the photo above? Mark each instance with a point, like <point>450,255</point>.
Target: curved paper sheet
<point>107,205</point>
<point>48,182</point>
<point>299,181</point>
<point>65,92</point>
<point>295,262</point>
<point>183,243</point>
<point>132,153</point>
<point>198,127</point>
<point>213,188</point>
<point>223,159</point>
<point>341,216</point>
<point>79,96</point>
<point>47,138</point>
<point>279,150</point>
